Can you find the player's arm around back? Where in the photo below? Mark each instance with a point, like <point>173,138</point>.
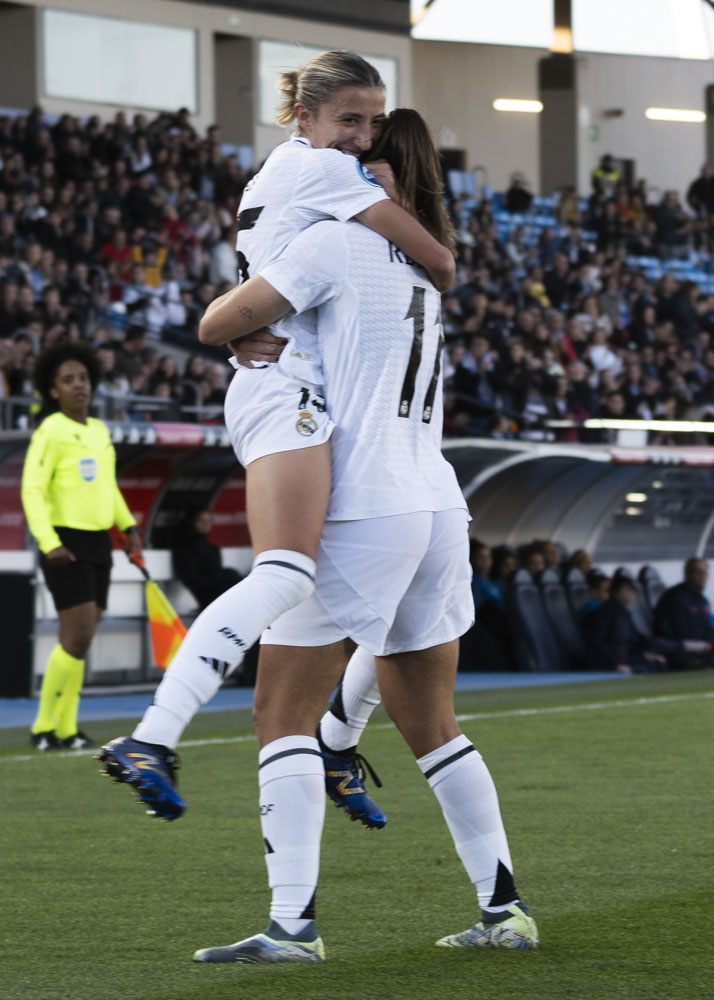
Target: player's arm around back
<point>242,311</point>
<point>403,230</point>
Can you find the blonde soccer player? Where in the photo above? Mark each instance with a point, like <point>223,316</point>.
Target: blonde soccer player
<point>277,417</point>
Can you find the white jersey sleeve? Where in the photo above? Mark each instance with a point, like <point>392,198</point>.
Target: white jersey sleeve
<point>337,185</point>
<point>311,270</point>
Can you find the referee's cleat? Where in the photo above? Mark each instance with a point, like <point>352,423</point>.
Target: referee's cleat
<point>514,928</point>
<point>151,772</point>
<point>344,783</point>
<point>273,945</point>
<point>45,741</point>
<point>80,741</point>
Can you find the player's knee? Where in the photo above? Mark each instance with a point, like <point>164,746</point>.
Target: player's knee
<point>291,573</point>
<point>78,646</point>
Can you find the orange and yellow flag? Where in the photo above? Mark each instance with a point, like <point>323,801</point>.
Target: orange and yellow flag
<point>167,629</point>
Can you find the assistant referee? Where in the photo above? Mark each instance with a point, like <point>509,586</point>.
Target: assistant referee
<point>71,499</point>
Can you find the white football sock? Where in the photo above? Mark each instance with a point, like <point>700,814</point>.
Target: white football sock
<point>355,699</point>
<point>467,796</point>
<point>292,811</point>
<point>219,639</point>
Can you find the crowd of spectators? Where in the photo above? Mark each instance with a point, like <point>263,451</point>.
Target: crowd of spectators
<point>122,232</point>
<point>679,635</point>
<point>118,233</point>
<point>563,322</point>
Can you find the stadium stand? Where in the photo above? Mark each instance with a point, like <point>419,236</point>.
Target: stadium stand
<point>578,307</point>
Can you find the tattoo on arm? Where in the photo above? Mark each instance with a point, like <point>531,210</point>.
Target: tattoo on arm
<point>246,312</point>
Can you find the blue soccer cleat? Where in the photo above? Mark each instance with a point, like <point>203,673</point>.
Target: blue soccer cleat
<point>272,946</point>
<point>344,783</point>
<point>151,772</point>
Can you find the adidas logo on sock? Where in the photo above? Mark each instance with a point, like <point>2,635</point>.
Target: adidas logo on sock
<point>220,666</point>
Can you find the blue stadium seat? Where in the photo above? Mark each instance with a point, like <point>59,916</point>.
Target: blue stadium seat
<point>536,647</point>
<point>653,586</point>
<point>577,591</point>
<point>558,611</point>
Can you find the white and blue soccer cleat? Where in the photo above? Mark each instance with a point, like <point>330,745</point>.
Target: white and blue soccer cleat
<point>272,946</point>
<point>151,772</point>
<point>344,784</point>
<point>513,928</point>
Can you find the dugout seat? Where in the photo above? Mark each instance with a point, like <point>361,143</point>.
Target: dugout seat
<point>652,585</point>
<point>557,609</point>
<point>535,645</point>
<point>577,591</point>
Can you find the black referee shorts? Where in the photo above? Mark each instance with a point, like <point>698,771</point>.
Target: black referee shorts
<point>85,580</point>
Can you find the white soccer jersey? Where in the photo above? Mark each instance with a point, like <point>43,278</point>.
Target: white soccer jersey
<point>380,338</point>
<point>297,186</point>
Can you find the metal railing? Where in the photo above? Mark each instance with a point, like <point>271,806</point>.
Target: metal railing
<point>19,412</point>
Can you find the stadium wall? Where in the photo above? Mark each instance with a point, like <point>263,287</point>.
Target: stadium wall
<point>455,84</point>
<point>212,24</point>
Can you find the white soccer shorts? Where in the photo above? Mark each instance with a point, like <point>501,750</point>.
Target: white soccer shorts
<point>392,584</point>
<point>267,412</point>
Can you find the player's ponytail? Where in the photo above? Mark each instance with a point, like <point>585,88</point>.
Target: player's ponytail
<point>405,142</point>
<point>316,83</point>
<point>287,86</point>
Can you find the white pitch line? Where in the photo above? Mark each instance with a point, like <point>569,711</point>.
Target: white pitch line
<point>593,706</point>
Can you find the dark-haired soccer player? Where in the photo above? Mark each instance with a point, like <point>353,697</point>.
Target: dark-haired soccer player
<point>71,499</point>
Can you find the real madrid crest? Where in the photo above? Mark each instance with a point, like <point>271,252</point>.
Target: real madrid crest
<point>306,424</point>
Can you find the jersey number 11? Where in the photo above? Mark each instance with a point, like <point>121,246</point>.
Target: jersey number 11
<point>416,313</point>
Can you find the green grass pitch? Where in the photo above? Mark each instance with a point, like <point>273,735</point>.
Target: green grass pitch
<point>605,790</point>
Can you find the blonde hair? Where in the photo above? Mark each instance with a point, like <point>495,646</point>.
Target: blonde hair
<point>405,142</point>
<point>315,83</point>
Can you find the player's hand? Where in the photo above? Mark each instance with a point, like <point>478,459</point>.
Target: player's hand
<point>261,347</point>
<point>133,539</point>
<point>696,646</point>
<point>60,556</point>
<point>383,173</point>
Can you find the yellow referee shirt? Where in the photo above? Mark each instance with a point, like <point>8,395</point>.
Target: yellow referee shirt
<point>69,480</point>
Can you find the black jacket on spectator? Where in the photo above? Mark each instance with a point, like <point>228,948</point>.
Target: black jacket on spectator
<point>683,613</point>
<point>197,564</point>
<point>610,637</point>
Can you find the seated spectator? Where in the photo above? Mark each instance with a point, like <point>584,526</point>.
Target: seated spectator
<point>482,586</point>
<point>503,566</point>
<point>582,560</point>
<point>518,198</point>
<point>197,561</point>
<point>533,559</point>
<point>684,614</point>
<point>129,355</point>
<point>486,645</point>
<point>611,639</point>
<point>599,588</point>
<point>552,555</point>
<point>672,224</point>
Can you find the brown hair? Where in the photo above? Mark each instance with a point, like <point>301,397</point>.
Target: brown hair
<point>405,142</point>
<point>315,83</point>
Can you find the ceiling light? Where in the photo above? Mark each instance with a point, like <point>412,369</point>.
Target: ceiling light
<point>529,107</point>
<point>636,497</point>
<point>675,115</point>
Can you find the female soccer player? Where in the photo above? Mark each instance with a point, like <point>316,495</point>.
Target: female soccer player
<point>393,571</point>
<point>71,499</point>
<point>277,418</point>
